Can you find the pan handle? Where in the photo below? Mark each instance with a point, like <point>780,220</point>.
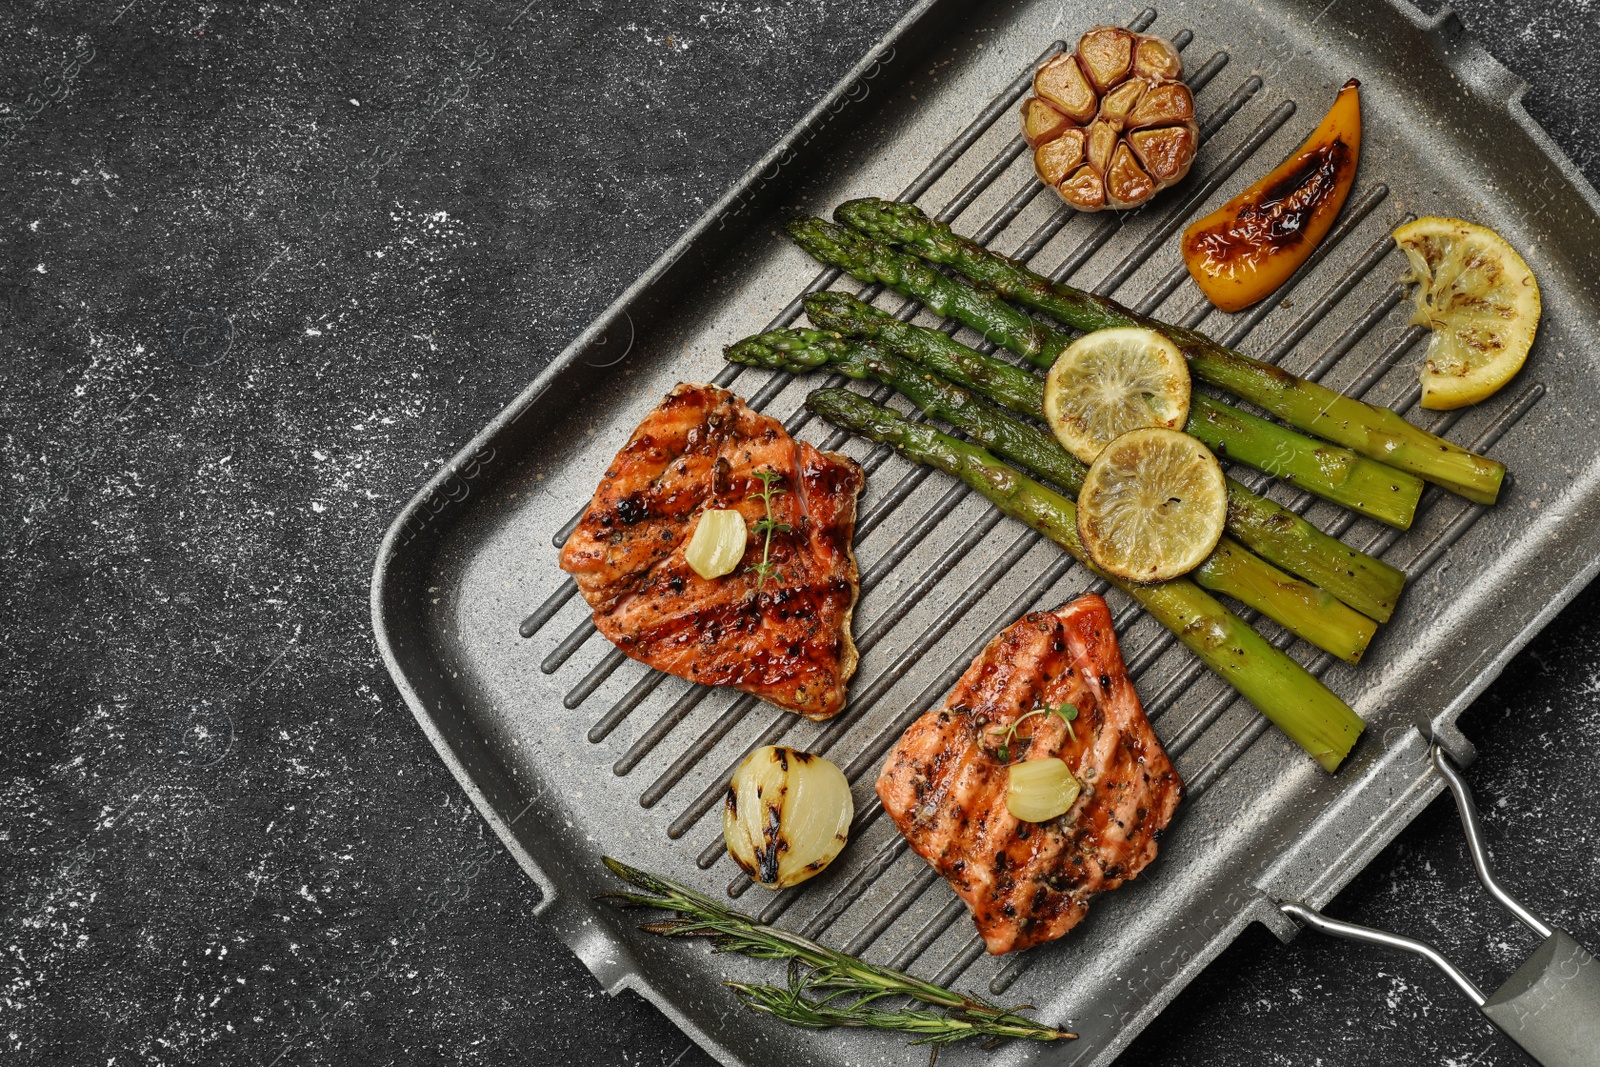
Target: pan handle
<point>1352,932</point>
<point>1550,1006</point>
<point>1480,855</point>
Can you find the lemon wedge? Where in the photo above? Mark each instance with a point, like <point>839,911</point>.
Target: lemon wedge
<point>1111,381</point>
<point>1480,300</point>
<point>1152,506</point>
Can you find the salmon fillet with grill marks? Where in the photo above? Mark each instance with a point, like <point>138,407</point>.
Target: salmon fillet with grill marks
<point>945,785</point>
<point>785,639</point>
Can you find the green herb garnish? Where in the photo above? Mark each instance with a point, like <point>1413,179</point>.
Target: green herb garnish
<point>1068,712</point>
<point>767,525</point>
<point>826,987</point>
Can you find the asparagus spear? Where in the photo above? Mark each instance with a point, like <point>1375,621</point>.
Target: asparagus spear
<point>849,987</point>
<point>1364,485</point>
<point>1333,473</point>
<point>1373,431</point>
<point>1309,613</point>
<point>1268,529</point>
<point>1299,705</point>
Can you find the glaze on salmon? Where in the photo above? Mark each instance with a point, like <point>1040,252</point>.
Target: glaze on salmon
<point>945,785</point>
<point>787,641</point>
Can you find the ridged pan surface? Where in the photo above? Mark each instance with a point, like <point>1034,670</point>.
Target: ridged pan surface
<point>572,751</point>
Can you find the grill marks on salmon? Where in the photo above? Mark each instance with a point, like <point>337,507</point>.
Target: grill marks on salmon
<point>787,639</point>
<point>945,787</point>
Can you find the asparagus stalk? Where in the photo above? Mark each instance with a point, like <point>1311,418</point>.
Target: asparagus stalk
<point>1312,614</point>
<point>1299,705</point>
<point>849,987</point>
<point>1376,432</point>
<point>1364,485</point>
<point>1268,529</point>
<point>1337,474</point>
<point>1272,531</point>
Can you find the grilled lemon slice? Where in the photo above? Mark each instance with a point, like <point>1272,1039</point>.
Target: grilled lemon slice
<point>1111,381</point>
<point>1481,302</point>
<point>1152,506</point>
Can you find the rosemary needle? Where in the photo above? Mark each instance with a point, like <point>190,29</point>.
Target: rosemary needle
<point>826,987</point>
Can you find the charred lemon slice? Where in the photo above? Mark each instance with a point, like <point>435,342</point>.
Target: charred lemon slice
<point>1152,506</point>
<point>1480,300</point>
<point>1111,381</point>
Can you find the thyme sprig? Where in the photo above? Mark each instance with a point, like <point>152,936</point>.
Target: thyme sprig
<point>766,525</point>
<point>826,987</point>
<point>1068,712</point>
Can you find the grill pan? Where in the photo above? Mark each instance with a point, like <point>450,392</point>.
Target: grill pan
<point>571,751</point>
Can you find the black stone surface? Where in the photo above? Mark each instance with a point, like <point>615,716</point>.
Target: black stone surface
<point>264,268</point>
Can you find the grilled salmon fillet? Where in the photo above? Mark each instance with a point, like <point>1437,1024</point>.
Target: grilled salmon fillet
<point>945,785</point>
<point>785,638</point>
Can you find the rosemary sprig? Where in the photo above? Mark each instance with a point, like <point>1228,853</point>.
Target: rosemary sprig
<point>826,987</point>
<point>767,525</point>
<point>836,1008</point>
<point>1068,712</point>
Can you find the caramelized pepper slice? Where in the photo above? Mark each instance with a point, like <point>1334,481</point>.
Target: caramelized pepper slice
<point>1246,249</point>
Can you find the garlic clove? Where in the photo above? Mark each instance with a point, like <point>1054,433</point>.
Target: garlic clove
<point>1041,789</point>
<point>1157,60</point>
<point>1164,105</point>
<point>1054,160</point>
<point>1119,102</point>
<point>1102,143</point>
<point>1106,53</point>
<point>717,544</point>
<point>1125,182</point>
<point>1084,190</point>
<point>1041,122</point>
<point>1165,151</point>
<point>1060,80</point>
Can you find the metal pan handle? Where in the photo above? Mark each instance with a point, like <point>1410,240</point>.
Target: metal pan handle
<point>1550,1006</point>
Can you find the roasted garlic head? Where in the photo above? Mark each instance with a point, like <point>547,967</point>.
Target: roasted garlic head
<point>1112,123</point>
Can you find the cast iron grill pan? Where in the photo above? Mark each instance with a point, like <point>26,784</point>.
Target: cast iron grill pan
<point>941,572</point>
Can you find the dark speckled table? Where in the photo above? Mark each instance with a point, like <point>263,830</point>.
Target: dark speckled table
<point>265,267</point>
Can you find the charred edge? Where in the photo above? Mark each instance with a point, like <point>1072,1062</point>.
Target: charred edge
<point>1278,217</point>
<point>772,833</point>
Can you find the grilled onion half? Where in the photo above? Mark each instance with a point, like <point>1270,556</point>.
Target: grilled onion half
<point>786,816</point>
